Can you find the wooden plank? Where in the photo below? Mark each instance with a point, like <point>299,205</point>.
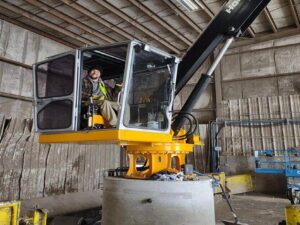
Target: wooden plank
<point>18,160</point>
<point>81,166</point>
<point>93,167</point>
<point>52,171</point>
<point>72,172</point>
<point>200,153</point>
<point>295,111</point>
<point>86,167</point>
<point>7,136</point>
<point>289,132</point>
<point>44,151</point>
<point>26,176</point>
<point>99,168</point>
<point>2,125</point>
<point>12,162</point>
<point>62,167</point>
<point>245,131</point>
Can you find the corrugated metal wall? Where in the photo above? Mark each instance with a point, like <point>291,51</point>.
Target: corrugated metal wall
<point>269,123</point>
<point>31,170</point>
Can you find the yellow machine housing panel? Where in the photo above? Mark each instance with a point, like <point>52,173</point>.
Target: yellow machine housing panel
<point>112,136</point>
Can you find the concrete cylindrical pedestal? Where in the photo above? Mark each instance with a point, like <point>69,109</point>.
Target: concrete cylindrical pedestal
<point>146,202</point>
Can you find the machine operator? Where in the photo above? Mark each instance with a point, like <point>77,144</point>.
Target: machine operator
<point>93,86</point>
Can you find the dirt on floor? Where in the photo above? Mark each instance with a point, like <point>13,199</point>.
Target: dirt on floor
<point>252,209</point>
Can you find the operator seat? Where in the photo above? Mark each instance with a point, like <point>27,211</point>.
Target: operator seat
<point>91,118</point>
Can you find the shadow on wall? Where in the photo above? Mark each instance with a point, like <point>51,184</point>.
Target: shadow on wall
<point>297,85</point>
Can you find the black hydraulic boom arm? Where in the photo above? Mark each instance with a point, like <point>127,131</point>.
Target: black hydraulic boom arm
<point>233,20</point>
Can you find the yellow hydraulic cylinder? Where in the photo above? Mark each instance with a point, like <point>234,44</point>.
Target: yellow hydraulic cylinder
<point>292,214</point>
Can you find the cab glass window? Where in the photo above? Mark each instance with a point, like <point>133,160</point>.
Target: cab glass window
<point>149,90</point>
<point>55,78</point>
<point>55,115</point>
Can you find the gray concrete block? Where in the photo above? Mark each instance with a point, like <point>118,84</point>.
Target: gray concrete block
<point>258,46</point>
<point>232,90</point>
<point>16,44</point>
<point>4,36</point>
<point>21,45</point>
<point>15,108</point>
<point>289,85</point>
<point>287,59</point>
<point>11,79</point>
<point>32,47</point>
<point>49,48</point>
<point>205,101</point>
<point>260,88</point>
<point>258,63</point>
<point>287,40</point>
<point>177,102</point>
<point>236,164</point>
<point>27,83</point>
<point>205,117</point>
<point>231,67</point>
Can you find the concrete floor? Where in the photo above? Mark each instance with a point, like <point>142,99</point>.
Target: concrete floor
<point>253,209</point>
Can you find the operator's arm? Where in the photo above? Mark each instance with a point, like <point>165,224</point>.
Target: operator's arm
<point>116,90</point>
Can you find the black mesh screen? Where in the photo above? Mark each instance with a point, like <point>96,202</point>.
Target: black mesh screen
<point>56,78</point>
<point>56,115</point>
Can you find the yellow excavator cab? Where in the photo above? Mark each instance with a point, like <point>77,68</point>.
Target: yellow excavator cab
<point>147,75</point>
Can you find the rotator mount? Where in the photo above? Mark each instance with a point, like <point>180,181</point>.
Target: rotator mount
<point>159,156</point>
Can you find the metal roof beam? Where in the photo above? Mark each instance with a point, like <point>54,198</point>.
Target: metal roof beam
<point>294,12</point>
<point>270,20</point>
<point>267,37</point>
<point>183,16</point>
<point>86,12</point>
<point>164,24</point>
<point>251,31</point>
<point>134,23</point>
<point>70,20</point>
<point>46,23</point>
<point>39,32</point>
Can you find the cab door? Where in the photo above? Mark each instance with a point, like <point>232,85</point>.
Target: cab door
<point>56,88</point>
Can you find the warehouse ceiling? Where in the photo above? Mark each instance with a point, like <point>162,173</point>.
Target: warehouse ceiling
<point>163,23</point>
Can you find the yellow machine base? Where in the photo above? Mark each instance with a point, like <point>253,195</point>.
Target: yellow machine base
<point>123,137</point>
<point>158,151</point>
<point>157,157</point>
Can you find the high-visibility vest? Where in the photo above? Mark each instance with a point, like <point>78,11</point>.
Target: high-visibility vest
<point>103,90</point>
